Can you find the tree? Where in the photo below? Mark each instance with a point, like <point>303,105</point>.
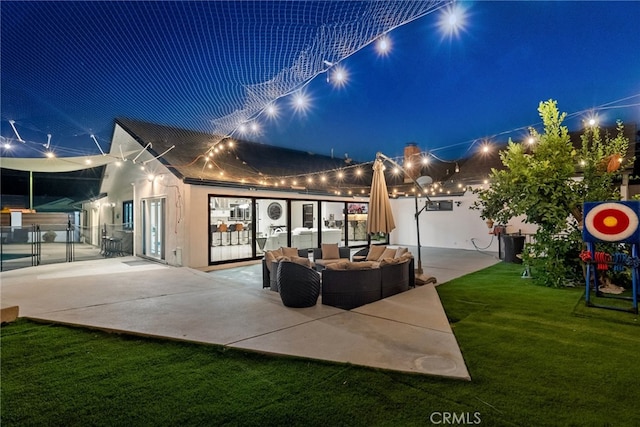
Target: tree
<point>547,182</point>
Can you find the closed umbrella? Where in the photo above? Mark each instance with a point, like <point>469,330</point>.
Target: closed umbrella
<point>380,219</point>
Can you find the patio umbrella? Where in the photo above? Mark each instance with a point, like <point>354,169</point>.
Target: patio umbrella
<point>421,278</point>
<point>380,218</point>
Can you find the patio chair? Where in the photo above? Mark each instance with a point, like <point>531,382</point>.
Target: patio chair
<point>299,285</point>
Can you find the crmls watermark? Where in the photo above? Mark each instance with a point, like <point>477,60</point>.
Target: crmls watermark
<point>461,418</point>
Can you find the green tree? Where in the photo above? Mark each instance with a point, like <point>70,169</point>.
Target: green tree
<point>547,182</point>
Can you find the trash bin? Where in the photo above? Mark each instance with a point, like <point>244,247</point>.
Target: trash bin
<point>510,246</point>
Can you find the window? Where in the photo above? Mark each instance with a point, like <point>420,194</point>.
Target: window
<point>127,215</point>
<point>440,205</point>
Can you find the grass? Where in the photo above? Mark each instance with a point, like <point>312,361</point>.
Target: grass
<point>535,354</point>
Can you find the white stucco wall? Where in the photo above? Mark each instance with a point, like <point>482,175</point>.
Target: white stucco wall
<point>457,229</point>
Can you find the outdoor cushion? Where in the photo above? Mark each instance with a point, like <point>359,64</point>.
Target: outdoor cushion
<point>391,261</point>
<point>364,265</point>
<point>326,262</point>
<point>375,252</point>
<point>388,253</point>
<point>401,251</point>
<point>289,251</point>
<point>338,265</point>
<point>407,255</point>
<point>302,261</point>
<point>330,251</point>
<point>271,256</point>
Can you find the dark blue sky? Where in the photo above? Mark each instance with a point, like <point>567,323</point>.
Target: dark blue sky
<point>68,69</point>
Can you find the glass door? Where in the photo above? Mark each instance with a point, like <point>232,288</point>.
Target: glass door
<point>153,228</point>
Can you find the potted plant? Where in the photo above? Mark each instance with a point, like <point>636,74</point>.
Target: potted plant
<point>49,236</point>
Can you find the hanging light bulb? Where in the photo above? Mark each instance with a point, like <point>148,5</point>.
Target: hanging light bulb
<point>383,45</point>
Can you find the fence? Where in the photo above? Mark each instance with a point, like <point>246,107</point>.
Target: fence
<point>25,246</point>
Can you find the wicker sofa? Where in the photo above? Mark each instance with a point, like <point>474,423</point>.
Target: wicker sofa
<point>349,285</point>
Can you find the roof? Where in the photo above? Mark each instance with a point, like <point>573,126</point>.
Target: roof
<point>239,162</point>
<point>244,163</point>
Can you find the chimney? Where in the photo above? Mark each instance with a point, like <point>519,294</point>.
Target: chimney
<point>411,155</point>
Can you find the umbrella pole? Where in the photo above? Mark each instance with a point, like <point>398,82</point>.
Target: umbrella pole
<point>419,269</point>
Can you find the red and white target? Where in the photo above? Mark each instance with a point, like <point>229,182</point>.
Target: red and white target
<point>611,221</point>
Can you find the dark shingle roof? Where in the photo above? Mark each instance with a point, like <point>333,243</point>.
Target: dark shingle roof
<point>247,163</point>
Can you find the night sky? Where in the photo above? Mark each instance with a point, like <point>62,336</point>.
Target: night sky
<point>68,69</point>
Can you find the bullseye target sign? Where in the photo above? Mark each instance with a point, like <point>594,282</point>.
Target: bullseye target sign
<point>611,222</point>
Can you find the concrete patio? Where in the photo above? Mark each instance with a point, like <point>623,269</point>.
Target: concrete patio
<point>407,332</point>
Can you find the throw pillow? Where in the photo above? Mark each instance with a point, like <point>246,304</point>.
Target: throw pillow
<point>374,252</point>
<point>407,255</point>
<point>388,253</point>
<point>400,252</point>
<point>271,256</point>
<point>289,251</point>
<point>302,261</point>
<point>330,251</point>
<point>390,261</point>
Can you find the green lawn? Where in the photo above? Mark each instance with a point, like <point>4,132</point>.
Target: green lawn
<point>536,355</point>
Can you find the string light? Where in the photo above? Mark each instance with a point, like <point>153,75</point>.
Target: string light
<point>383,45</point>
<point>300,102</point>
<point>453,20</point>
<point>339,76</point>
<point>271,110</point>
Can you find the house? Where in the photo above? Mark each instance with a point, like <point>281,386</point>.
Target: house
<point>191,198</point>
<point>186,198</point>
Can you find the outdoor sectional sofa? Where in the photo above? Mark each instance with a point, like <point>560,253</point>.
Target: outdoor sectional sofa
<point>349,285</point>
<point>345,284</point>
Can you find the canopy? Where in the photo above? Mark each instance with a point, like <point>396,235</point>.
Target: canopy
<point>56,164</point>
<point>380,218</point>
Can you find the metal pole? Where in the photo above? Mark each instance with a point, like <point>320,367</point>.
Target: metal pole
<point>31,190</point>
<point>417,215</point>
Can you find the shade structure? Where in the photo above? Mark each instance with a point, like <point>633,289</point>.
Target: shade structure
<point>59,164</point>
<point>380,218</point>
